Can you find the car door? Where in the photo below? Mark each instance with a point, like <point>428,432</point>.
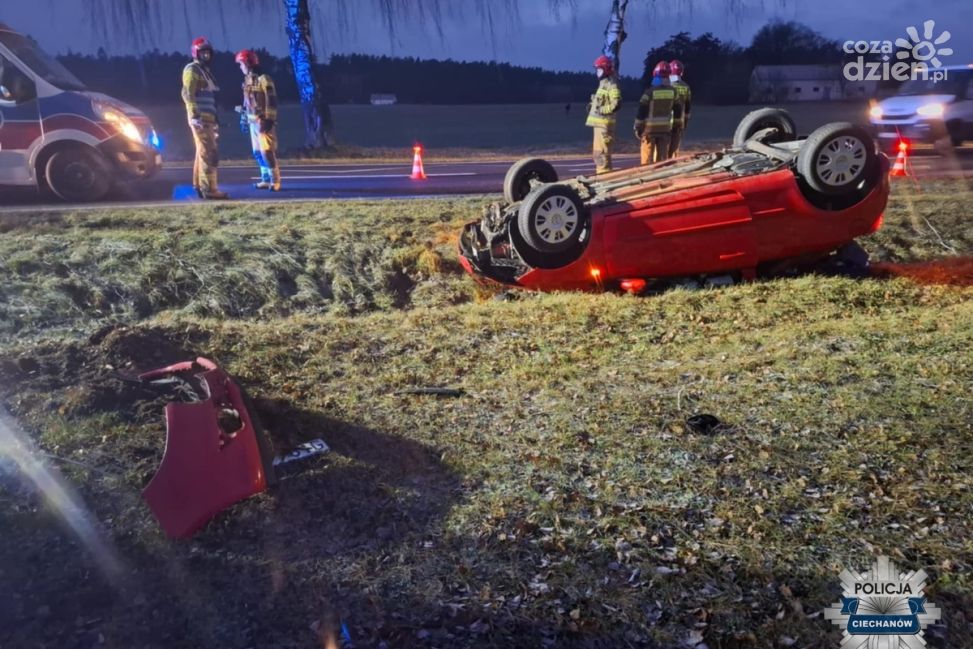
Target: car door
<point>19,123</point>
<point>696,231</point>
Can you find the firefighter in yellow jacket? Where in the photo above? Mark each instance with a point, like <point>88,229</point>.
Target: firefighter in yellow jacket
<point>653,121</point>
<point>681,108</point>
<point>199,94</point>
<point>260,109</point>
<point>601,116</point>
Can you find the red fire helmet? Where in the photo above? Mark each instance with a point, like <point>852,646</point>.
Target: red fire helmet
<point>605,64</point>
<point>661,69</point>
<point>249,57</point>
<point>199,45</point>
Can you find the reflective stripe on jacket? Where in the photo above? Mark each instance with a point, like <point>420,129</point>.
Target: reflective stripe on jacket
<point>260,97</point>
<point>606,101</point>
<point>680,110</point>
<point>654,116</point>
<point>199,92</point>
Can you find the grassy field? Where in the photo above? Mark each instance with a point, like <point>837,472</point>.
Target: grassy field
<point>562,501</point>
<point>516,128</point>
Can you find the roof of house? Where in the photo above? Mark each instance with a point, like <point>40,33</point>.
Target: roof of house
<point>797,72</point>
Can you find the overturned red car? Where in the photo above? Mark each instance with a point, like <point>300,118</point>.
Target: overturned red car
<point>770,200</point>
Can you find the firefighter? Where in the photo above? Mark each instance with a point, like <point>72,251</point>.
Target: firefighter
<point>260,108</point>
<point>199,94</point>
<point>681,108</point>
<point>601,116</point>
<point>653,122</point>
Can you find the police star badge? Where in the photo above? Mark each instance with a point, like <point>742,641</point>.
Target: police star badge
<point>883,608</point>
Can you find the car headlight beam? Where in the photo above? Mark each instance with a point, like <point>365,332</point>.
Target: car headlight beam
<point>935,110</point>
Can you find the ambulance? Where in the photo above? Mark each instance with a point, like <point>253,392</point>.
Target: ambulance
<point>58,136</point>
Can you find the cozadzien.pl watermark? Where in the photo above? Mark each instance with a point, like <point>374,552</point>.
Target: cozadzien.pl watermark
<point>917,57</point>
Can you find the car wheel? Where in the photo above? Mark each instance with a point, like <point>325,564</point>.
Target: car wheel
<point>552,218</point>
<point>522,176</point>
<point>955,130</point>
<point>838,158</point>
<point>758,120</point>
<point>78,175</point>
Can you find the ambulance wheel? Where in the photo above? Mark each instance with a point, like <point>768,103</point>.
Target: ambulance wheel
<point>77,175</point>
<point>523,175</point>
<point>839,158</point>
<point>552,219</point>
<point>763,118</point>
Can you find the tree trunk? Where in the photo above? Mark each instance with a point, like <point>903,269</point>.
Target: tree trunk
<point>317,115</point>
<point>615,33</point>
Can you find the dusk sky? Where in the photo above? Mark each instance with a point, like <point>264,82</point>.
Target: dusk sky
<point>537,38</point>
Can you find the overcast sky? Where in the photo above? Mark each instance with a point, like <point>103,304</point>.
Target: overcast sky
<point>537,38</point>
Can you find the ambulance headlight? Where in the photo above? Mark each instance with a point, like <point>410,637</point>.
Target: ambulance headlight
<point>118,119</point>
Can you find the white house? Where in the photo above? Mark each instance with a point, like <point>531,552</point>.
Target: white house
<point>384,100</point>
<point>780,83</point>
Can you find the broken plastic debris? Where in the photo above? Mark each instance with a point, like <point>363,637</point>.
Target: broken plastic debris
<point>302,452</point>
<point>439,392</point>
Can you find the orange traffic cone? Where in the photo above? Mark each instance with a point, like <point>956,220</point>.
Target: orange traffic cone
<point>899,168</point>
<point>418,173</point>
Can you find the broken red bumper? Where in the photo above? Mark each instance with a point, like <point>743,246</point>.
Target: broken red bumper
<point>208,465</point>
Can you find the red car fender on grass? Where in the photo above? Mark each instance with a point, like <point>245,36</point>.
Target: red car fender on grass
<point>206,468</point>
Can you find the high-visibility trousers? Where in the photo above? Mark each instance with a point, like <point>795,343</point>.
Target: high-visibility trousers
<point>654,148</point>
<point>675,141</point>
<point>601,150</point>
<point>206,138</point>
<point>264,147</point>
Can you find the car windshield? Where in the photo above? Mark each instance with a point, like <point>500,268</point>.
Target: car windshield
<point>40,62</point>
<point>952,85</point>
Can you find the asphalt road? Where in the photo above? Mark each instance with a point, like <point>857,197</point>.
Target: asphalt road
<point>377,179</point>
<point>384,180</point>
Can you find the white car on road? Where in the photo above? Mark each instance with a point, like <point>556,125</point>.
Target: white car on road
<point>927,110</point>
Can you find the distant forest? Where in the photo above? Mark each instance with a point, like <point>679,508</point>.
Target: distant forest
<point>156,78</point>
<point>719,72</point>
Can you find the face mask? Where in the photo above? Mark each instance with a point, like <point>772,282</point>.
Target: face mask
<point>600,73</point>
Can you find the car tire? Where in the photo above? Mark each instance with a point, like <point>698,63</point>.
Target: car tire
<point>78,175</point>
<point>552,219</point>
<point>954,130</point>
<point>518,181</point>
<point>839,158</point>
<point>765,118</point>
